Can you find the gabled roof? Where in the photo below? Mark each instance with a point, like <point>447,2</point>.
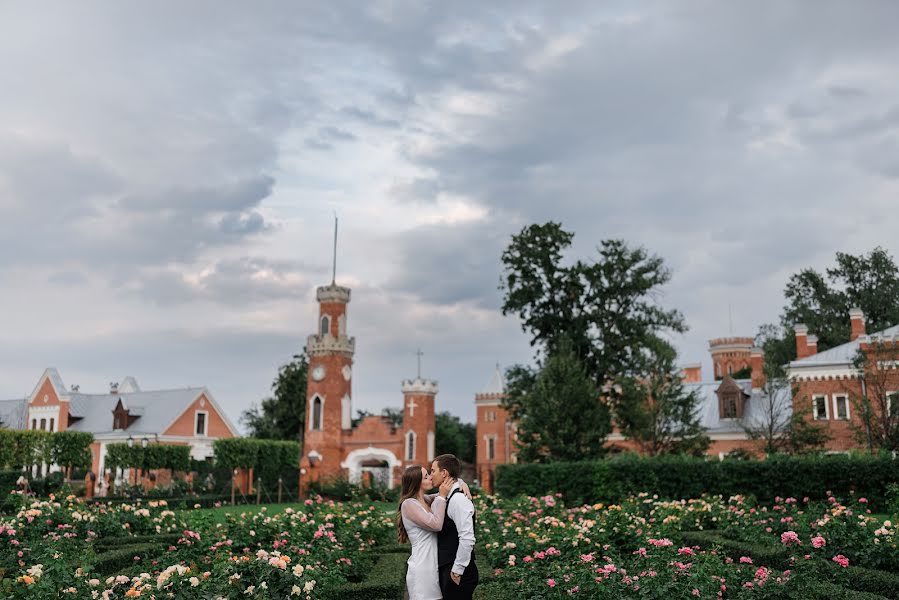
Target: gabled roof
<point>753,409</point>
<point>156,409</point>
<point>12,413</point>
<point>843,354</point>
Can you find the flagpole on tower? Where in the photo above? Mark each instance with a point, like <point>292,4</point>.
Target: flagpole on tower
<point>334,262</point>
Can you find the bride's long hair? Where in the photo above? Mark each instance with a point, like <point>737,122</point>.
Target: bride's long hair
<point>411,488</point>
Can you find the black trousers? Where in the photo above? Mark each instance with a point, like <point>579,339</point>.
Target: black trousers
<point>465,588</point>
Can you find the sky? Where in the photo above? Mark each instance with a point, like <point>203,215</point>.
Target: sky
<point>170,172</point>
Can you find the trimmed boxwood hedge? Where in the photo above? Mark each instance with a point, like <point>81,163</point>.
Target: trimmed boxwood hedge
<point>678,477</point>
<point>386,580</point>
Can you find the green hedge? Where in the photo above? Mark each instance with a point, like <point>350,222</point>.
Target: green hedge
<point>154,456</point>
<point>386,580</point>
<point>677,477</point>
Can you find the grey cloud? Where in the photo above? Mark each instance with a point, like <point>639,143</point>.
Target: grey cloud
<point>369,117</point>
<point>246,281</point>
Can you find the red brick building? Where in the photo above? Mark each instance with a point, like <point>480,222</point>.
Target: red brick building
<point>826,386</point>
<point>187,416</point>
<point>495,432</point>
<point>829,384</point>
<point>376,449</point>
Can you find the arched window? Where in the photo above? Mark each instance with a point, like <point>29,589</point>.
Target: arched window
<point>52,423</point>
<point>410,445</point>
<point>730,369</point>
<point>326,325</point>
<point>317,413</point>
<point>43,424</point>
<point>717,369</point>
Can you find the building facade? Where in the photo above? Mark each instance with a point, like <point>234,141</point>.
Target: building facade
<point>188,416</point>
<point>376,449</point>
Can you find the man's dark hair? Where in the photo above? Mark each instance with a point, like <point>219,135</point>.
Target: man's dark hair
<point>450,463</point>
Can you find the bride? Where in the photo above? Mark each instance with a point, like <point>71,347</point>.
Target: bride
<point>419,518</point>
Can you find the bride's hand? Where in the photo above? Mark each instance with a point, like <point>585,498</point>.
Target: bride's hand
<point>445,487</point>
<point>465,489</point>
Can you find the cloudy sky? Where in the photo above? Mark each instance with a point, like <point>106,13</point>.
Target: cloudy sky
<point>169,173</point>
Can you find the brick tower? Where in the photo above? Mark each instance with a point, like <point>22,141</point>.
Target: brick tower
<point>418,421</point>
<point>730,354</point>
<point>329,385</point>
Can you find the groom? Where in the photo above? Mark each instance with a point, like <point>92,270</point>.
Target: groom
<point>455,543</point>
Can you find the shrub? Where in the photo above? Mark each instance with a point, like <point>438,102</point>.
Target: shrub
<point>677,477</point>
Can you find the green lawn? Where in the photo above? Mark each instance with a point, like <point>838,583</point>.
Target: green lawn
<point>219,513</point>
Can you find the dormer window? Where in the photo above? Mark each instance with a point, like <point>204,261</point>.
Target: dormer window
<point>731,400</point>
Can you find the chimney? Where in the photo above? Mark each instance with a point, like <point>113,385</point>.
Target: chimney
<point>812,342</point>
<point>692,373</point>
<point>801,341</point>
<point>757,362</point>
<point>113,387</point>
<point>857,322</point>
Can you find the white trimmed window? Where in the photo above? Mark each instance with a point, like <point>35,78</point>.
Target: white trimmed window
<point>317,409</point>
<point>491,416</point>
<point>890,397</point>
<point>201,423</point>
<point>410,445</point>
<point>819,407</point>
<point>841,407</point>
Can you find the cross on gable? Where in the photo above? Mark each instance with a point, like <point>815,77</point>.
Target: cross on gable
<point>411,406</point>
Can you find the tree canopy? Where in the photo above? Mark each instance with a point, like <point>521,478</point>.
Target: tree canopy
<point>658,413</point>
<point>822,302</point>
<point>559,414</point>
<point>452,436</point>
<point>282,415</point>
<point>605,308</point>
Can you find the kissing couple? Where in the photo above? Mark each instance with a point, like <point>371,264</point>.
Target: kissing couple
<point>441,529</point>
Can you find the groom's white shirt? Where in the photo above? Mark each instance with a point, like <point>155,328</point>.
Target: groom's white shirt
<point>461,511</point>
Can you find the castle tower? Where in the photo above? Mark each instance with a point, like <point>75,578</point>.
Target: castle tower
<point>730,355</point>
<point>495,432</point>
<point>418,421</point>
<point>329,386</point>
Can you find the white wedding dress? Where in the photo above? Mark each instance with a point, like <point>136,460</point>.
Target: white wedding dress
<point>422,525</point>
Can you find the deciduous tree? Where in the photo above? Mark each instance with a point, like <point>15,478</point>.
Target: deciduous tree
<point>282,415</point>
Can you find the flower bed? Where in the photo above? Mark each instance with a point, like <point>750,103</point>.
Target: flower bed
<point>708,547</point>
<point>67,549</point>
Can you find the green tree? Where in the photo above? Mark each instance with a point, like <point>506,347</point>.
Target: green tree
<point>822,302</point>
<point>360,414</point>
<point>561,417</point>
<point>282,415</point>
<point>395,416</point>
<point>452,436</point>
<point>605,308</point>
<point>71,450</point>
<point>876,407</point>
<point>658,413</point>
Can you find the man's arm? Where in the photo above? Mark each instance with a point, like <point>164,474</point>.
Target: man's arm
<point>461,510</point>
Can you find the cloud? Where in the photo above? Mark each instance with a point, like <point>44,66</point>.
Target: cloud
<point>163,176</point>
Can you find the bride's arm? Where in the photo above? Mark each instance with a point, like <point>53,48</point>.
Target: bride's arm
<point>432,521</point>
<point>462,485</point>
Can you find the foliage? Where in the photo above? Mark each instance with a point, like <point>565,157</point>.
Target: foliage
<point>879,419</point>
<point>247,453</point>
<point>676,477</point>
<point>154,456</point>
<point>822,302</point>
<point>394,415</point>
<point>84,551</point>
<point>282,415</point>
<point>23,448</point>
<point>71,449</point>
<point>452,436</point>
<point>605,308</point>
<point>561,417</point>
<point>545,548</point>
<point>658,413</point>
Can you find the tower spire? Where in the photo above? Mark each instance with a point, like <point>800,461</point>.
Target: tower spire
<point>419,354</point>
<point>334,262</point>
